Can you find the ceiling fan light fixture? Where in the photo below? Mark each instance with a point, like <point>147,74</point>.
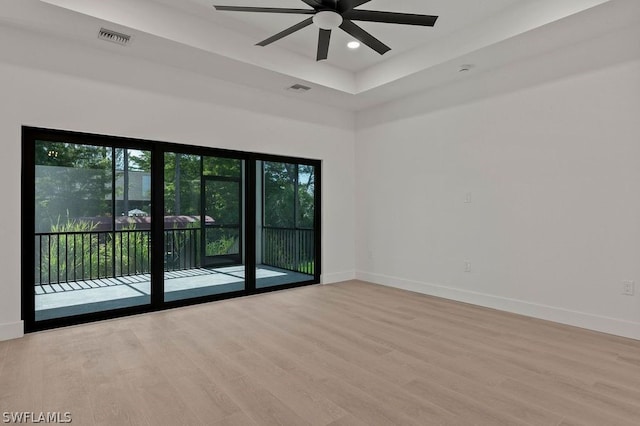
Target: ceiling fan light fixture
<point>353,44</point>
<point>327,15</point>
<point>327,20</point>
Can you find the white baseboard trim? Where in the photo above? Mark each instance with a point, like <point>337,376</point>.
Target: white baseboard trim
<point>603,324</point>
<point>337,277</point>
<point>12,330</point>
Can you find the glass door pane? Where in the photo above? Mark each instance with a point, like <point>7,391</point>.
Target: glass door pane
<point>222,221</point>
<point>203,223</point>
<point>285,231</point>
<point>88,259</point>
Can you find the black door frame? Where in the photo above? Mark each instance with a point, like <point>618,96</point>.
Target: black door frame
<point>158,150</point>
<point>210,260</point>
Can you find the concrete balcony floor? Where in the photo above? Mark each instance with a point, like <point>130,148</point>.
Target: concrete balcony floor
<point>81,297</point>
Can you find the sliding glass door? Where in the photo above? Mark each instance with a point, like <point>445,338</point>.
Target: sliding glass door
<point>116,226</point>
<point>92,229</point>
<point>286,252</point>
<point>203,223</point>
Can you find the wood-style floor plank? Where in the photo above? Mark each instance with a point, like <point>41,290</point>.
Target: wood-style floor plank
<point>22,376</point>
<point>347,354</point>
<point>236,419</point>
<point>3,356</point>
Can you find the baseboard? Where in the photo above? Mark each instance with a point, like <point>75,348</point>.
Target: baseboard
<point>603,324</point>
<point>337,277</point>
<point>12,330</point>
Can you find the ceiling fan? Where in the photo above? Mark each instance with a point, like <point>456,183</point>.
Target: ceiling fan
<point>329,15</point>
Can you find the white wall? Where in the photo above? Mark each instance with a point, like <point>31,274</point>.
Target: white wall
<point>35,97</point>
<point>553,226</point>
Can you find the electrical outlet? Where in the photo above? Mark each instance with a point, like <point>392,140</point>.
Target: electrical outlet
<point>628,288</point>
<point>467,266</point>
<point>467,198</point>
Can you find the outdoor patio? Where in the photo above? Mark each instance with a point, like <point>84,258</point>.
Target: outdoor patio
<point>81,297</point>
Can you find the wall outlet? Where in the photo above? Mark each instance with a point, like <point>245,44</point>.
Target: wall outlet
<point>467,266</point>
<point>628,288</point>
<point>467,198</point>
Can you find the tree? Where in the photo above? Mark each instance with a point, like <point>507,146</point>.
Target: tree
<point>72,181</point>
<point>182,175</point>
<point>284,207</point>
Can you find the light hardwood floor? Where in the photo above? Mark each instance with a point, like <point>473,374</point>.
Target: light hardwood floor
<point>346,354</point>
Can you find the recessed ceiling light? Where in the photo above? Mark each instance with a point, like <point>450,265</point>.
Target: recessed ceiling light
<point>353,44</point>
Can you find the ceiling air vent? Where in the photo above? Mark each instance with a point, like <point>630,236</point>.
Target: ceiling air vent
<point>114,37</point>
<point>299,88</point>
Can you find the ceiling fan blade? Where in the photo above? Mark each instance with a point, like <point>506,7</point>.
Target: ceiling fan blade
<point>366,38</point>
<point>323,44</point>
<point>265,10</point>
<point>391,17</point>
<point>344,5</point>
<point>286,32</point>
<point>324,4</point>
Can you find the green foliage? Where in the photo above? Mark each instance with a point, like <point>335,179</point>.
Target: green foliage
<point>61,154</point>
<point>70,178</point>
<point>132,251</point>
<point>223,202</point>
<point>73,225</point>
<point>306,193</point>
<point>281,202</point>
<point>222,167</point>
<point>182,174</point>
<point>222,245</point>
<point>184,178</point>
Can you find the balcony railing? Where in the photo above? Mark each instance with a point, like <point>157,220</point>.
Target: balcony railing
<point>289,248</point>
<point>182,249</point>
<point>80,256</point>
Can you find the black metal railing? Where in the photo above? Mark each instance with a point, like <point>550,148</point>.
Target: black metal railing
<point>292,249</point>
<point>90,255</point>
<point>182,249</point>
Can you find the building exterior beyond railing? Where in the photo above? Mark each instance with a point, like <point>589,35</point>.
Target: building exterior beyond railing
<point>79,256</point>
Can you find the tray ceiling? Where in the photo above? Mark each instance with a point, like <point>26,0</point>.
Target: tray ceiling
<point>191,34</point>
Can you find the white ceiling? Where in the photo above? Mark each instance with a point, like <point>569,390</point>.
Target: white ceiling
<point>191,34</point>
<point>453,16</point>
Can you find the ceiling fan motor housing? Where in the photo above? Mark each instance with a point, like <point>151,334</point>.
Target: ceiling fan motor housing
<point>327,20</point>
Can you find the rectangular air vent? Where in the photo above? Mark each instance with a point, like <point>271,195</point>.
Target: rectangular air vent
<point>114,37</point>
<point>299,88</point>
